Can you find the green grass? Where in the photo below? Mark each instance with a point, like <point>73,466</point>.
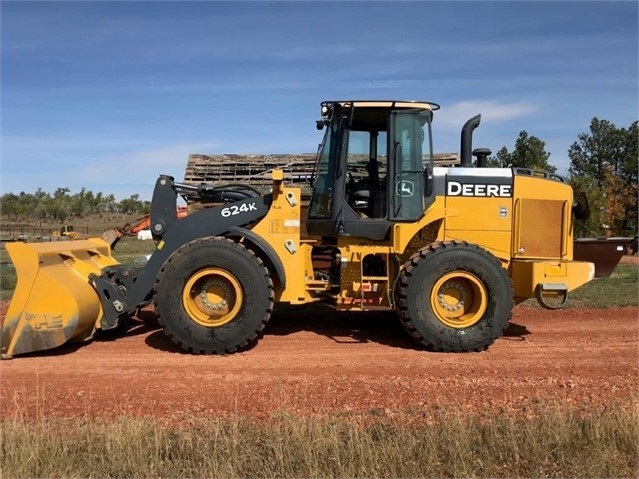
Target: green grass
<point>128,249</point>
<point>8,280</point>
<point>552,441</point>
<point>620,289</point>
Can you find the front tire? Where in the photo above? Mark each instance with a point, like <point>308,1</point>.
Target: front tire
<point>213,296</point>
<point>454,296</point>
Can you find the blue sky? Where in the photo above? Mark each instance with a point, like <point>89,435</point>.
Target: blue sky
<point>107,95</point>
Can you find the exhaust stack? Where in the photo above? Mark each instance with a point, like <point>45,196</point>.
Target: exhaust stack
<point>467,141</point>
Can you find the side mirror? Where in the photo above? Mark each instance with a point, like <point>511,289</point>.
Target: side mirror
<point>428,180</point>
<point>581,208</point>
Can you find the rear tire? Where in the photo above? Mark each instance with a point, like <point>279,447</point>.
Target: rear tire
<point>454,296</point>
<point>213,296</point>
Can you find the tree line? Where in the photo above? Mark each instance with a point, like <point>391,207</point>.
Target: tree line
<point>62,206</point>
<point>603,164</point>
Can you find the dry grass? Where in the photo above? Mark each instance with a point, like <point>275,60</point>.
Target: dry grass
<point>552,441</point>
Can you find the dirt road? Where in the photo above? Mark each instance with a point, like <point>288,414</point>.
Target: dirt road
<point>311,361</point>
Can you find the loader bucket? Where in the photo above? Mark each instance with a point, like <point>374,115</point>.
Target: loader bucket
<point>53,302</point>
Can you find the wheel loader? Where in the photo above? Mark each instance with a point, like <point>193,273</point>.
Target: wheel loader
<point>450,249</point>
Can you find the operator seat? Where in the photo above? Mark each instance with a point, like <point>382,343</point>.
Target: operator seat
<point>376,188</point>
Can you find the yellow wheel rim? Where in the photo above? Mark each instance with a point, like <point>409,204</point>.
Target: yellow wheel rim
<point>459,299</point>
<point>212,297</point>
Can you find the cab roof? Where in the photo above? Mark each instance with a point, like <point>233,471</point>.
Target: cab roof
<point>426,105</point>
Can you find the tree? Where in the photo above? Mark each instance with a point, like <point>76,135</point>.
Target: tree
<point>109,205</point>
<point>529,152</point>
<point>500,160</point>
<point>60,205</point>
<point>10,206</point>
<point>593,226</point>
<point>604,164</point>
<point>629,162</point>
<point>133,205</point>
<point>591,153</point>
<point>618,210</point>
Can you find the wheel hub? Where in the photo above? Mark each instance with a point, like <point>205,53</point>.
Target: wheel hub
<point>212,297</point>
<point>459,299</point>
<point>452,297</point>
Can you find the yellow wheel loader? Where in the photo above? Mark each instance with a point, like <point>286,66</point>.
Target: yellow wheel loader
<point>450,249</point>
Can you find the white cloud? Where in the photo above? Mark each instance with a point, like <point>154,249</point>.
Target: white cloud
<point>454,117</point>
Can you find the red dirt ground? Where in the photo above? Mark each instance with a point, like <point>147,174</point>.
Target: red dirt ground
<point>316,360</point>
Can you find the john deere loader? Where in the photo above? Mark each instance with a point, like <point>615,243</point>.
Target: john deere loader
<point>450,249</point>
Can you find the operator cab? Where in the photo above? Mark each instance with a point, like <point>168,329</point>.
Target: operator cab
<point>374,167</point>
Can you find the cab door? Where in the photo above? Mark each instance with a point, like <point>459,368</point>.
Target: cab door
<point>410,149</point>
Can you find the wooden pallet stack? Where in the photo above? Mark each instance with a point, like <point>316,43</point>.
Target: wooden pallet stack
<point>255,170</point>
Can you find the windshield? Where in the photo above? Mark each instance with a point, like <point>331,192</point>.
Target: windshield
<point>321,200</point>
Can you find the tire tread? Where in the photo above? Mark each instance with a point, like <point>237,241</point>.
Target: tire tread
<point>420,260</point>
<point>252,336</point>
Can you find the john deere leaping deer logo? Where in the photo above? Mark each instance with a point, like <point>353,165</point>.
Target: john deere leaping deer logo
<point>405,188</point>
